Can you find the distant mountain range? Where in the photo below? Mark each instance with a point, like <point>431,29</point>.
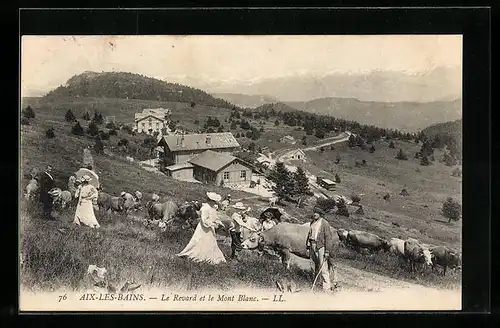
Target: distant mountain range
<point>438,84</point>
<point>246,101</point>
<point>408,116</point>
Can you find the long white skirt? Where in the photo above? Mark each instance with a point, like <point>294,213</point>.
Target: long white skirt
<point>203,246</point>
<point>85,214</point>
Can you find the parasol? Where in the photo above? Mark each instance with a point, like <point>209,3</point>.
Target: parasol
<point>93,176</point>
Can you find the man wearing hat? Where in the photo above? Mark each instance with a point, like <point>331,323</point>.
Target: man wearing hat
<point>238,222</point>
<point>46,184</point>
<point>319,242</point>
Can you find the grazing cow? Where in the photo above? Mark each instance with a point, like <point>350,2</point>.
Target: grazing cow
<point>445,258</point>
<point>397,246</point>
<point>272,201</point>
<point>31,189</point>
<point>163,211</point>
<point>416,256</point>
<point>285,238</point>
<point>106,202</point>
<point>342,235</point>
<point>365,240</point>
<point>61,197</point>
<point>129,201</point>
<point>189,212</point>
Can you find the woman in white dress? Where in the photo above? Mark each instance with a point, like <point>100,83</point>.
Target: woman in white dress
<point>203,245</point>
<point>86,194</point>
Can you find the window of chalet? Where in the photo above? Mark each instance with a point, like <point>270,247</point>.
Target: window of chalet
<point>225,176</point>
<point>243,175</point>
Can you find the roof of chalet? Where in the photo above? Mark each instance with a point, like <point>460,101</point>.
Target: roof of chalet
<point>158,113</point>
<point>328,181</point>
<point>198,141</point>
<point>180,166</point>
<point>212,160</point>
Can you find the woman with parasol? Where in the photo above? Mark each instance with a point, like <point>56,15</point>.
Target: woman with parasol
<point>203,245</point>
<point>87,194</point>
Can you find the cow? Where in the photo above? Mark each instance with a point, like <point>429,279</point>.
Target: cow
<point>365,240</point>
<point>31,189</point>
<point>342,235</point>
<point>163,211</point>
<point>416,256</point>
<point>60,197</point>
<point>445,258</point>
<point>285,239</point>
<point>106,202</point>
<point>397,246</point>
<point>189,213</point>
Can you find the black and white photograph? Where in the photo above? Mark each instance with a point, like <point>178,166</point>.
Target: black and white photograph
<point>240,172</point>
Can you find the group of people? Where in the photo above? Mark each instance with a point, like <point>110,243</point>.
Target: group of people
<point>203,246</point>
<point>84,193</point>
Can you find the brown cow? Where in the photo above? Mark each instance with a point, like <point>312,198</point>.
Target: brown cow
<point>365,240</point>
<point>445,258</point>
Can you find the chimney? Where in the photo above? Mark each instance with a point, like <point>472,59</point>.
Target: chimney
<point>208,140</point>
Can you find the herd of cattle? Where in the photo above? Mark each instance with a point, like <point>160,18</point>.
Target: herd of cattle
<point>283,239</point>
<point>290,238</point>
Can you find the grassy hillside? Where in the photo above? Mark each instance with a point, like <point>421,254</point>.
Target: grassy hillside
<point>132,86</point>
<point>132,251</point>
<point>408,116</point>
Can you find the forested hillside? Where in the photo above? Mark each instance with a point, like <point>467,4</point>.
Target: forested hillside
<point>132,86</point>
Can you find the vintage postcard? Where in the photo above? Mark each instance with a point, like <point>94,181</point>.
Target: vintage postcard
<point>241,173</point>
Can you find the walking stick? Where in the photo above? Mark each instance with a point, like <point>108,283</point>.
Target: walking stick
<point>317,275</point>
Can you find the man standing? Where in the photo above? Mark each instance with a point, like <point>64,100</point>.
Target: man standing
<point>46,183</point>
<point>238,223</point>
<point>319,242</point>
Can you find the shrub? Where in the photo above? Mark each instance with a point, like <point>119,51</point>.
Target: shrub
<point>342,208</point>
<point>320,133</point>
<point>123,142</point>
<point>360,211</point>
<point>338,159</point>
<point>392,145</point>
<point>387,196</point>
<point>277,122</point>
<point>103,135</point>
<point>220,129</point>
<point>193,104</point>
<point>98,146</point>
<point>111,126</point>
<point>332,147</point>
<point>77,129</point>
<point>50,133</point>
<point>451,209</point>
<point>93,130</point>
<point>355,198</point>
<point>233,126</point>
<point>28,112</point>
<point>25,120</point>
<point>112,132</point>
<point>86,116</point>
<point>337,178</point>
<point>404,192</point>
<point>70,117</point>
<point>127,129</point>
<point>372,149</point>
<point>326,205</point>
<point>401,155</point>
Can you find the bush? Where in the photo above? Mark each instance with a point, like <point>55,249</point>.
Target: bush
<point>342,208</point>
<point>355,198</point>
<point>451,209</point>
<point>28,112</point>
<point>98,146</point>
<point>112,132</point>
<point>77,129</point>
<point>387,197</point>
<point>326,205</point>
<point>404,192</point>
<point>93,130</point>
<point>277,122</point>
<point>50,133</point>
<point>193,104</point>
<point>103,135</point>
<point>337,178</point>
<point>360,211</point>
<point>372,149</point>
<point>123,142</point>
<point>111,126</point>
<point>320,133</point>
<point>70,117</point>
<point>86,116</point>
<point>392,145</point>
<point>25,120</point>
<point>401,155</point>
<point>128,129</point>
<point>338,159</point>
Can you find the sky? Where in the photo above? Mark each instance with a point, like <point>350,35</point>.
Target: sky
<point>49,61</point>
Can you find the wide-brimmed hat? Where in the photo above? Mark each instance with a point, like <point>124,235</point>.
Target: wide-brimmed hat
<point>86,178</point>
<point>122,193</point>
<point>214,196</point>
<point>239,206</point>
<point>318,210</point>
